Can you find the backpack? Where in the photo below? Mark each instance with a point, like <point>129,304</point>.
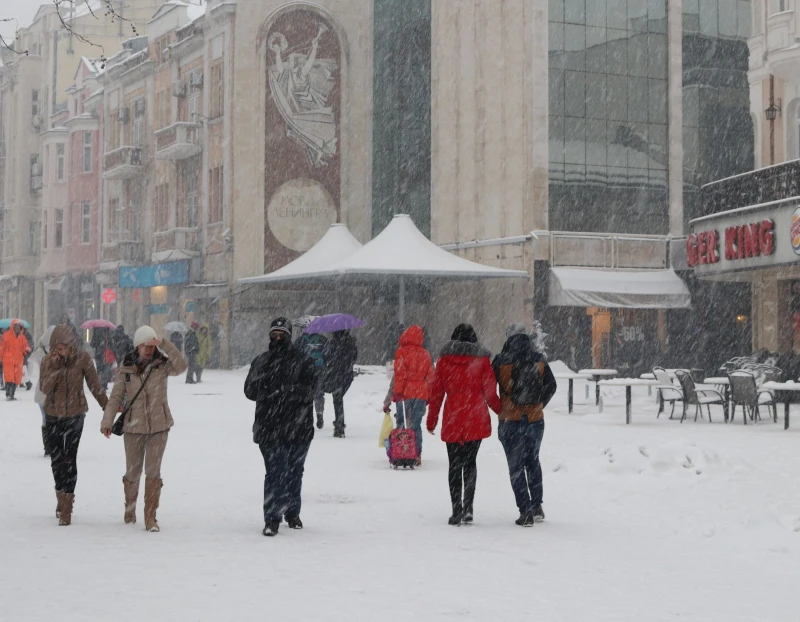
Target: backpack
<point>526,383</point>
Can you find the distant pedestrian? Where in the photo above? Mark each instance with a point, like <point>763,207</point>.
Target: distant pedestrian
<point>13,351</point>
<point>192,349</point>
<point>141,386</point>
<point>413,375</point>
<point>526,386</point>
<point>204,353</point>
<point>464,376</point>
<point>121,344</point>
<point>64,371</point>
<point>313,344</point>
<point>176,337</point>
<point>99,345</point>
<point>340,355</point>
<point>281,382</point>
<point>67,321</point>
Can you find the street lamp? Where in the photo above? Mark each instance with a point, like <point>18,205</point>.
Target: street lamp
<point>772,112</point>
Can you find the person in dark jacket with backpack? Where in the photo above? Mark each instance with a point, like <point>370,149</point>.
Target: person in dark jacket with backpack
<point>282,382</point>
<point>313,344</point>
<point>340,356</point>
<point>192,349</point>
<point>526,385</point>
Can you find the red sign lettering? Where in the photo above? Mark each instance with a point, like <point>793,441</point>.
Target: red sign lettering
<point>766,237</point>
<point>741,242</point>
<point>691,250</point>
<point>711,244</point>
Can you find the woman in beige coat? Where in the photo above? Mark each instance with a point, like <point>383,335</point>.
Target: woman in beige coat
<point>148,421</point>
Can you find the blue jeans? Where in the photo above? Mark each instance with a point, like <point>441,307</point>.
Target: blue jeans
<point>521,441</point>
<point>414,413</point>
<point>283,481</point>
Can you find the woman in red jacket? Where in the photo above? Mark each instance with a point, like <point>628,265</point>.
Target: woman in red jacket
<point>413,374</point>
<point>464,374</point>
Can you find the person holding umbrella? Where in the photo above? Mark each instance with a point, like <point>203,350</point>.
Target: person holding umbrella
<point>339,356</point>
<point>13,350</point>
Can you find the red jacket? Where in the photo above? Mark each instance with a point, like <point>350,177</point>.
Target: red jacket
<point>464,374</point>
<point>413,368</point>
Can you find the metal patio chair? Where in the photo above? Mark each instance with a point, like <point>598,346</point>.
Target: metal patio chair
<point>667,391</point>
<point>745,393</point>
<point>699,397</point>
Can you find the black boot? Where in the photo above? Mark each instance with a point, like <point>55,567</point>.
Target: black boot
<point>271,528</point>
<point>525,519</point>
<point>320,422</point>
<point>467,516</point>
<point>12,391</point>
<point>44,443</point>
<point>538,513</point>
<point>458,515</point>
<point>294,522</point>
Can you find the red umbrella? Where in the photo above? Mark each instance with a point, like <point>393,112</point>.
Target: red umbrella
<point>98,324</point>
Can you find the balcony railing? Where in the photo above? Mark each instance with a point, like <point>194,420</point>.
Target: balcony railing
<point>187,240</point>
<point>178,141</point>
<point>123,163</point>
<point>773,183</point>
<point>122,251</point>
<point>597,250</point>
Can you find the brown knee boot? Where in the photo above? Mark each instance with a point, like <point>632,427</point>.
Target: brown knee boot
<point>152,496</point>
<point>59,503</point>
<point>131,494</point>
<point>67,500</point>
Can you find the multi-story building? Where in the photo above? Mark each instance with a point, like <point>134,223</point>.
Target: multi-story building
<point>166,151</point>
<point>37,76</point>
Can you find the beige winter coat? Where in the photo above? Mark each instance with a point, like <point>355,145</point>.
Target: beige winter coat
<point>150,412</point>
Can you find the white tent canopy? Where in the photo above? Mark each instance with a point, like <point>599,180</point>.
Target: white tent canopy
<point>400,251</point>
<point>644,289</point>
<point>337,244</point>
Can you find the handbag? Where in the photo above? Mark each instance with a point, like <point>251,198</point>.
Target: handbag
<point>386,429</point>
<point>119,425</point>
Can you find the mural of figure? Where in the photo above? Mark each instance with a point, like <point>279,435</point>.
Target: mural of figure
<point>300,84</point>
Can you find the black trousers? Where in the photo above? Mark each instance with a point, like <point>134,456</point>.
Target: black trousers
<point>338,407</point>
<point>463,473</point>
<point>63,436</point>
<point>194,371</point>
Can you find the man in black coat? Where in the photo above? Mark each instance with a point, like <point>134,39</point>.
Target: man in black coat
<point>282,382</point>
<point>340,356</point>
<point>192,348</point>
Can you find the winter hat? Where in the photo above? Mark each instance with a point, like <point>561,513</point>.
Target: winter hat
<point>516,329</point>
<point>143,335</point>
<point>464,332</point>
<point>195,325</point>
<point>281,324</point>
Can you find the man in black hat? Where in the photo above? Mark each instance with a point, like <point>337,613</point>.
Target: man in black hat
<point>282,382</point>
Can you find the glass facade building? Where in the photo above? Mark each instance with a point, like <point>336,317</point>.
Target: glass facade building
<point>608,115</point>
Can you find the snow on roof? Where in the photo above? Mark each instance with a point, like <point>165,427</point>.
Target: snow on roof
<point>193,11</point>
<point>337,244</point>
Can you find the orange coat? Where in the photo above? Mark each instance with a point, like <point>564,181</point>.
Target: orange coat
<point>413,368</point>
<point>13,349</point>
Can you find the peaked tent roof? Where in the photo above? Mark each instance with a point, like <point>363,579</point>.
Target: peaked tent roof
<point>402,250</point>
<point>337,244</point>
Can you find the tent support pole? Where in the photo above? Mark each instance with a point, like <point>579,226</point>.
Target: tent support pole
<point>402,301</point>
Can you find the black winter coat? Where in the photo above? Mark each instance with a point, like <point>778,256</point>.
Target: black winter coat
<point>120,344</point>
<point>192,345</point>
<point>519,351</point>
<point>282,383</point>
<point>340,356</point>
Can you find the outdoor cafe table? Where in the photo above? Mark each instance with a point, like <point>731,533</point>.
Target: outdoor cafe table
<point>571,378</point>
<point>782,386</point>
<point>597,375</point>
<point>628,383</point>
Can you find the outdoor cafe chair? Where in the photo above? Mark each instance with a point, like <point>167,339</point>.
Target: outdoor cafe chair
<point>745,393</point>
<point>667,390</point>
<point>699,397</point>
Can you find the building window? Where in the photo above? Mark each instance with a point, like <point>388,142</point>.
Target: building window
<point>138,123</point>
<point>161,207</point>
<point>33,237</point>
<point>86,222</point>
<point>163,112</point>
<point>136,212</point>
<point>45,218</point>
<point>46,167</point>
<point>59,228</point>
<point>87,152</point>
<point>217,89</point>
<point>114,233</point>
<point>35,109</point>
<point>779,6</point>
<point>60,162</point>
<point>194,107</point>
<point>216,182</point>
<point>188,201</point>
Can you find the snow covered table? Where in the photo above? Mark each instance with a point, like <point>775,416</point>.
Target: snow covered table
<point>571,379</point>
<point>628,383</point>
<point>782,386</point>
<point>597,375</point>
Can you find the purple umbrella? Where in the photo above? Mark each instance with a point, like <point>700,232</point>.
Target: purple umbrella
<point>333,323</point>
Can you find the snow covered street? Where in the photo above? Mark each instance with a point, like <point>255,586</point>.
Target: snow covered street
<point>657,520</point>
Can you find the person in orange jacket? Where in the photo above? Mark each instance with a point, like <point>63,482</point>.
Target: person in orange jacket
<point>13,349</point>
<point>413,375</point>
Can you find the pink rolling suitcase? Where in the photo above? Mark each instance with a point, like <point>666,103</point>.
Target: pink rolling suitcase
<point>403,446</point>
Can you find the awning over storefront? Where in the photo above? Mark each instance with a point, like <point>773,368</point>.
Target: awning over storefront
<point>643,289</point>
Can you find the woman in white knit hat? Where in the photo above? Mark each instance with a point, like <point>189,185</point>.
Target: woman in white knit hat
<point>141,387</point>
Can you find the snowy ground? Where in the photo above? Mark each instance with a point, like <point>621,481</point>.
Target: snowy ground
<point>653,521</point>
